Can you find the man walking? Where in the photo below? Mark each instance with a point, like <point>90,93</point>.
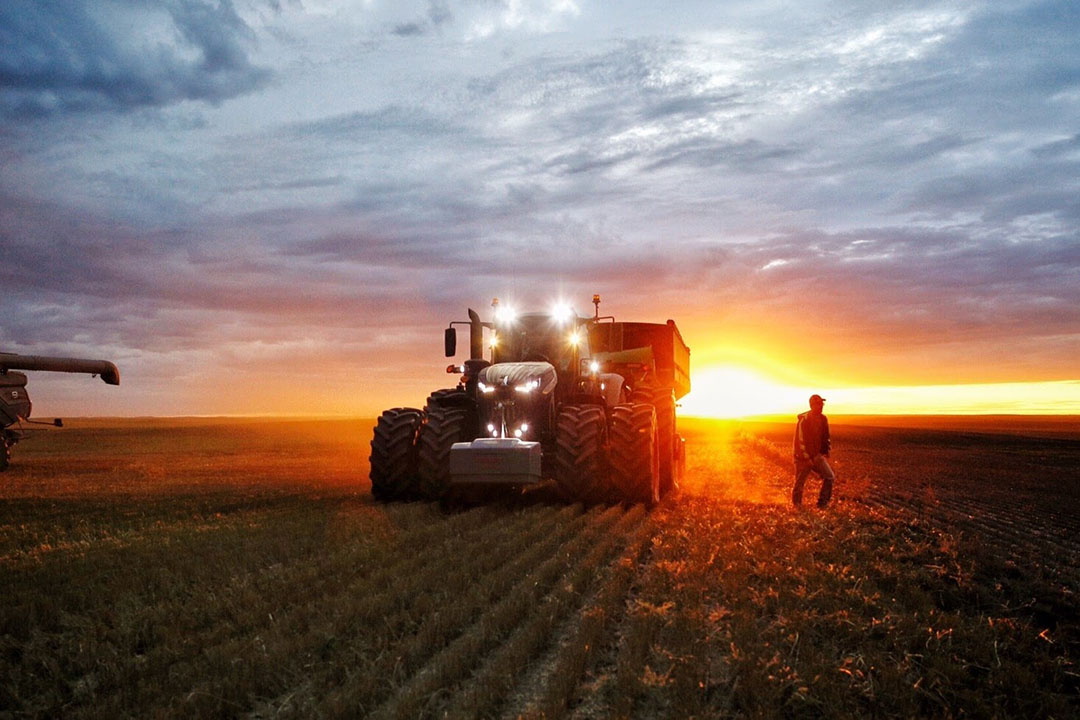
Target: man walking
<point>810,450</point>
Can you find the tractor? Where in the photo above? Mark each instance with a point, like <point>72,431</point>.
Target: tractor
<point>586,401</point>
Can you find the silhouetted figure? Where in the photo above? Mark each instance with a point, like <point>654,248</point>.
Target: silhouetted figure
<point>810,449</point>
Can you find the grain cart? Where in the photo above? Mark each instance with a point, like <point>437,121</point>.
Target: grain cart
<point>587,401</point>
<point>15,400</point>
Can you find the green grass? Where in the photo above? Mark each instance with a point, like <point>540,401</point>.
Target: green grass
<point>226,568</point>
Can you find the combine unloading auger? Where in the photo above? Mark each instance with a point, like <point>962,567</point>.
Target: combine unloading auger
<point>15,405</point>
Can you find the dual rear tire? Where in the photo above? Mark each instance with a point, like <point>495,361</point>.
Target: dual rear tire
<point>592,466</point>
<point>580,467</point>
<point>410,451</point>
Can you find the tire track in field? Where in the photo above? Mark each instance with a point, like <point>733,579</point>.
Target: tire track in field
<point>426,691</point>
<point>613,681</point>
<point>548,688</point>
<point>488,688</point>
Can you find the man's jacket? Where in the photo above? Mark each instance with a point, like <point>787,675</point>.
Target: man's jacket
<point>811,436</point>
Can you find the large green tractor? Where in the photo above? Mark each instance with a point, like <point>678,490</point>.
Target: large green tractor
<point>586,401</point>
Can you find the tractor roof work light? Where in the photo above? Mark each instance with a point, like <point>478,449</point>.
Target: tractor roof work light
<point>504,314</point>
<point>562,313</point>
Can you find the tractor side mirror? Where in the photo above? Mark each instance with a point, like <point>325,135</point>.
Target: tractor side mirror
<point>450,341</point>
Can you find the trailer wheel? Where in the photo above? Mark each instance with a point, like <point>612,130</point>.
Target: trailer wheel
<point>635,456</point>
<point>393,454</point>
<point>663,399</point>
<point>579,452</point>
<point>444,426</point>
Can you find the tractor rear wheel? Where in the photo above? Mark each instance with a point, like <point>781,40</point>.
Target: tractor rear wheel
<point>579,452</point>
<point>5,451</point>
<point>668,441</point>
<point>635,456</point>
<point>444,427</point>
<point>446,397</point>
<point>393,454</point>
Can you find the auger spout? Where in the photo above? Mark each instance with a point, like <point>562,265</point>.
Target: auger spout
<point>107,370</point>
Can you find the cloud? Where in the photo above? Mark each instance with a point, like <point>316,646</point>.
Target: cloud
<point>898,181</point>
<point>84,56</point>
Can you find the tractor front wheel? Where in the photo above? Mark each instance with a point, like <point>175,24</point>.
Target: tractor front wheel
<point>393,454</point>
<point>579,452</point>
<point>444,427</point>
<point>635,453</point>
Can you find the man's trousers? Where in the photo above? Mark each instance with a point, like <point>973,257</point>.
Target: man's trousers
<point>820,466</point>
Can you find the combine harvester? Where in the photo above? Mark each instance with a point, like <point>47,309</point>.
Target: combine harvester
<point>15,400</point>
<point>589,402</point>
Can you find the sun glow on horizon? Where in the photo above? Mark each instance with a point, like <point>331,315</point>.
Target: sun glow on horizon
<point>735,392</point>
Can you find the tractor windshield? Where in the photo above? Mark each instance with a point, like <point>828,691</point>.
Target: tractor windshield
<point>540,338</point>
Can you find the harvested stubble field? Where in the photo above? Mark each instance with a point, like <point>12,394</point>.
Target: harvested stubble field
<point>241,569</point>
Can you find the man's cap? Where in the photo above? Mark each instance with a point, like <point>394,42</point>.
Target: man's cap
<point>816,397</point>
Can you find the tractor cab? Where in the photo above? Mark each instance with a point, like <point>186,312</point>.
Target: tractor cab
<point>559,340</point>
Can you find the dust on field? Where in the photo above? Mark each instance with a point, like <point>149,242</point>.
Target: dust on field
<point>240,568</point>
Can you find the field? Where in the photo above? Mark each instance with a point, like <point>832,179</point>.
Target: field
<point>210,568</point>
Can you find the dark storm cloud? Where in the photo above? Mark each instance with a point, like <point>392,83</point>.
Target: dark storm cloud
<point>82,56</point>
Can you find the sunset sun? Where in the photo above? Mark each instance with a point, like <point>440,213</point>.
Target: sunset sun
<point>730,391</point>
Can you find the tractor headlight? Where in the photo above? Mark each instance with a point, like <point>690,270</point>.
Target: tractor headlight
<point>594,367</point>
<point>575,338</point>
<point>528,387</point>
<point>485,388</point>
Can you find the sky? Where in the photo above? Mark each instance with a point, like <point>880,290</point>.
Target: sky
<point>276,207</point>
